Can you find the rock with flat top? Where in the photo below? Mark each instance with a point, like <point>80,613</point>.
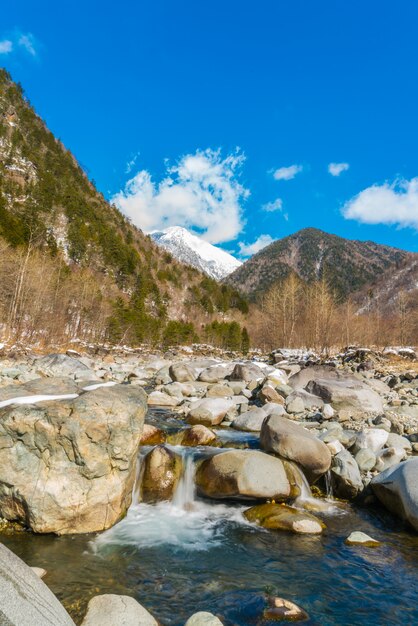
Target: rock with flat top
<point>113,610</point>
<point>202,618</point>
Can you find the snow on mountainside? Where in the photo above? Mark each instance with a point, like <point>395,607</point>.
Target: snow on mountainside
<point>192,250</point>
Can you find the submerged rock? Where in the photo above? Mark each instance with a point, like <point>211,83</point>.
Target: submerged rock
<point>24,599</point>
<point>161,474</point>
<point>397,490</point>
<point>283,517</point>
<point>243,475</point>
<point>284,610</point>
<point>111,610</point>
<point>357,538</point>
<point>69,466</point>
<point>294,443</point>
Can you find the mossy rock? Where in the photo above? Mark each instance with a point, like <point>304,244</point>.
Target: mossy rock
<point>283,517</point>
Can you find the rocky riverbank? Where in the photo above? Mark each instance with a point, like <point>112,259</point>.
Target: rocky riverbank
<point>71,428</point>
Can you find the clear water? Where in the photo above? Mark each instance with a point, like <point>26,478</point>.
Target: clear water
<point>195,555</point>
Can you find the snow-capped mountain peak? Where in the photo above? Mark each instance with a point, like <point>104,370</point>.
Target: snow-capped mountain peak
<point>191,249</point>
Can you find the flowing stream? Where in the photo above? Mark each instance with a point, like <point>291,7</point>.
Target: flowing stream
<point>192,554</point>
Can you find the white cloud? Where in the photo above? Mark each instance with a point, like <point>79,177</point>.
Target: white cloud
<point>201,192</point>
<point>335,169</point>
<point>6,46</point>
<point>28,43</point>
<point>276,205</point>
<point>395,203</point>
<point>287,173</point>
<point>248,249</point>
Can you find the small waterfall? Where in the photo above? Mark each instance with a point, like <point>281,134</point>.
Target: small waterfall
<point>305,489</point>
<point>328,486</point>
<point>184,495</point>
<point>140,466</point>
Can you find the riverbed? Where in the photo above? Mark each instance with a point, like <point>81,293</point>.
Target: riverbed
<point>188,555</point>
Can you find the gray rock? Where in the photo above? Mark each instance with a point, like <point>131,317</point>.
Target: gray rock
<point>398,442</point>
<point>114,610</point>
<point>272,408</point>
<point>365,459</point>
<point>24,599</point>
<point>302,378</point>
<point>304,400</point>
<point>295,404</point>
<point>295,443</point>
<point>397,489</point>
<point>388,458</point>
<point>210,411</point>
<point>346,475</point>
<point>250,421</point>
<point>219,390</point>
<point>69,466</point>
<point>247,372</point>
<point>215,373</point>
<point>347,393</point>
<point>61,365</point>
<point>357,538</point>
<point>327,412</point>
<point>182,373</point>
<point>160,398</point>
<point>243,475</point>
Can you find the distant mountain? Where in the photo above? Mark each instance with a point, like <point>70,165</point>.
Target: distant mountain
<point>311,254</point>
<point>193,250</point>
<point>383,294</point>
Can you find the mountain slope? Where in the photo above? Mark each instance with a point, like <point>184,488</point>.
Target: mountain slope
<point>311,254</point>
<point>194,251</point>
<point>52,214</point>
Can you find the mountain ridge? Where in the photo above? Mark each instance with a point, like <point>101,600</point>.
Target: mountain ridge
<point>311,253</point>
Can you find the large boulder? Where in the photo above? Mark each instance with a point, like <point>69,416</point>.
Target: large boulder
<point>294,443</point>
<point>161,474</point>
<point>247,372</point>
<point>215,373</point>
<point>198,435</point>
<point>62,365</point>
<point>305,375</point>
<point>182,372</point>
<point>346,393</point>
<point>69,466</point>
<point>24,599</point>
<point>210,411</point>
<point>110,610</point>
<point>243,475</point>
<point>397,489</point>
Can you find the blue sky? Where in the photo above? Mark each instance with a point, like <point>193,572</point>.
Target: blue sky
<point>187,112</point>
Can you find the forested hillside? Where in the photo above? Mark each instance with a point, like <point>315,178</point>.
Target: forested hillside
<point>71,265</point>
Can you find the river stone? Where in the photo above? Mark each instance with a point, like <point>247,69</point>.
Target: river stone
<point>303,400</point>
<point>271,408</point>
<point>59,386</point>
<point>269,394</point>
<point>327,412</point>
<point>284,610</point>
<point>182,373</point>
<point>398,442</point>
<point>346,475</point>
<point>152,436</point>
<point>210,411</point>
<point>371,438</point>
<point>162,470</point>
<point>219,391</point>
<point>365,459</point>
<point>302,378</point>
<point>113,610</point>
<point>198,435</point>
<point>294,443</point>
<point>247,372</point>
<point>39,571</point>
<point>347,393</point>
<point>215,373</point>
<point>388,458</point>
<point>69,466</point>
<point>357,538</point>
<point>62,365</point>
<point>397,490</point>
<point>24,599</point>
<point>203,619</point>
<point>250,421</point>
<point>283,517</point>
<point>159,398</point>
<point>243,475</point>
